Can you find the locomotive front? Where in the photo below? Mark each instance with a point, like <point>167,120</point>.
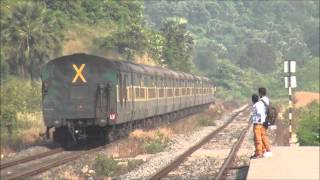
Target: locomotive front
<point>78,96</point>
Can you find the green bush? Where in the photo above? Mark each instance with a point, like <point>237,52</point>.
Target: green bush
<point>21,94</point>
<point>206,121</point>
<point>156,144</point>
<point>309,125</point>
<point>105,166</point>
<point>134,163</point>
<point>18,96</point>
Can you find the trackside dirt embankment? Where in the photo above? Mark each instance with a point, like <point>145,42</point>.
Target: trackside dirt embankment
<point>302,98</point>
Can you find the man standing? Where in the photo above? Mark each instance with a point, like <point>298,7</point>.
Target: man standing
<point>262,145</point>
<point>257,126</point>
<point>263,106</point>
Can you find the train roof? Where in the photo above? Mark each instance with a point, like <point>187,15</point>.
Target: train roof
<point>128,66</point>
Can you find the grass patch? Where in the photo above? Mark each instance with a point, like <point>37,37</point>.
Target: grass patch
<point>105,166</point>
<point>206,121</point>
<point>132,164</point>
<point>152,141</point>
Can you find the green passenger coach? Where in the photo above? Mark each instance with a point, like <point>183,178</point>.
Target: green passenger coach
<point>86,96</point>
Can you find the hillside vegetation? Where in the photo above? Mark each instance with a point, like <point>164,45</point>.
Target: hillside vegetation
<point>240,45</point>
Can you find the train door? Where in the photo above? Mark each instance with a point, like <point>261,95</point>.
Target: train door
<point>131,95</point>
<point>125,106</point>
<point>156,93</point>
<point>103,101</point>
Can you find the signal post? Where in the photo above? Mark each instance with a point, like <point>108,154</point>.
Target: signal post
<point>289,68</point>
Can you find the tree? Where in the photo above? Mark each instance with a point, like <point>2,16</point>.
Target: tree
<point>260,56</point>
<point>179,44</point>
<point>297,51</point>
<point>4,68</point>
<point>32,35</point>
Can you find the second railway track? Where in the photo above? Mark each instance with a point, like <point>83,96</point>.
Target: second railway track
<point>33,165</point>
<point>236,127</point>
<point>14,162</point>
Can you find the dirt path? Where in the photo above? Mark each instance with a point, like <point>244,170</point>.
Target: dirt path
<point>302,98</point>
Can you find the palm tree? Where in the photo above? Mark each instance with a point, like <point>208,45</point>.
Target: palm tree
<point>32,36</point>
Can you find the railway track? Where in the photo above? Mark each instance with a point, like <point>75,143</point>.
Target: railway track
<point>173,165</point>
<point>14,162</point>
<point>32,165</point>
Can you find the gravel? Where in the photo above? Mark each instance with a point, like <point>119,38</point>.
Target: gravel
<point>206,161</point>
<point>180,143</point>
<point>83,167</point>
<point>27,152</point>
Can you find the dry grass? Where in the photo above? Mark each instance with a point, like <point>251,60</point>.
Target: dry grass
<point>135,143</point>
<point>144,59</point>
<point>80,39</point>
<point>207,118</point>
<point>150,135</point>
<point>70,176</point>
<point>29,125</point>
<point>185,126</point>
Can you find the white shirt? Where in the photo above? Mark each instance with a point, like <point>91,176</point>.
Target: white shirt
<point>259,111</point>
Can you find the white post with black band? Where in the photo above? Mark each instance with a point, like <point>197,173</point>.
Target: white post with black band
<point>290,83</point>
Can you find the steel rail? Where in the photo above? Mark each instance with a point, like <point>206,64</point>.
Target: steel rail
<point>29,158</point>
<point>178,160</point>
<point>44,166</point>
<point>235,148</point>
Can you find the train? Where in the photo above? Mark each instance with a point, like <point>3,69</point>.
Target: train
<point>86,96</point>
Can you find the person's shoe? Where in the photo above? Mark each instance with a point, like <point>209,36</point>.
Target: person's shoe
<point>256,156</point>
<point>267,154</point>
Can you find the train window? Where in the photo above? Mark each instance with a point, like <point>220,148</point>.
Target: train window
<point>129,93</point>
<point>139,77</point>
<point>142,93</point>
<point>161,92</point>
<point>137,92</point>
<point>169,92</point>
<point>146,81</point>
<point>176,92</point>
<point>151,93</point>
<point>124,90</point>
<point>184,91</point>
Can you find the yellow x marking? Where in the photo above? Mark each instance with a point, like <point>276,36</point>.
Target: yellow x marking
<point>78,73</point>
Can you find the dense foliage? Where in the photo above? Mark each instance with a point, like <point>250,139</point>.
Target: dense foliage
<point>31,35</point>
<point>239,44</point>
<point>309,125</point>
<point>247,41</point>
<point>18,95</point>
